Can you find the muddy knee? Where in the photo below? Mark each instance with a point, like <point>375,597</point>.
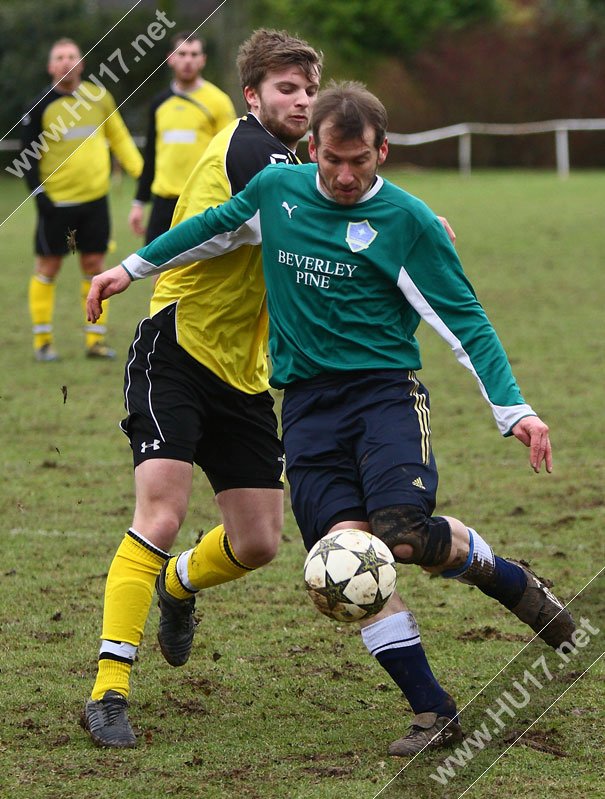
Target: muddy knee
<point>412,536</point>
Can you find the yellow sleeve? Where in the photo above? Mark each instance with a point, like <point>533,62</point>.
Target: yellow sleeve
<point>207,186</point>
<point>121,142</point>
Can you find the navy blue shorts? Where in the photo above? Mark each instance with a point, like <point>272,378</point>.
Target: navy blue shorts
<point>357,442</point>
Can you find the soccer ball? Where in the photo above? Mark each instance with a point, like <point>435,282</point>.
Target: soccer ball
<point>350,575</point>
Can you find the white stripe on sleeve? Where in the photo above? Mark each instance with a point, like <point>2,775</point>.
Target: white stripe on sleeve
<point>506,416</point>
<point>248,233</point>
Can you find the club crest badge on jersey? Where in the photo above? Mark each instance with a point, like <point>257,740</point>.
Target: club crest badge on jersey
<point>360,235</point>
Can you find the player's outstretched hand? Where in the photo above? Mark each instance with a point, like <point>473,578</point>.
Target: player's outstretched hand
<point>105,285</point>
<point>532,432</point>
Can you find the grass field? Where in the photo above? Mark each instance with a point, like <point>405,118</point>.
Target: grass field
<point>276,701</point>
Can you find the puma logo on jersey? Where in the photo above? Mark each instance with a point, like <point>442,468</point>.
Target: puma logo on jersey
<point>288,209</point>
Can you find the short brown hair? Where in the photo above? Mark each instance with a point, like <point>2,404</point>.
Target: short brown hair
<point>350,106</point>
<point>185,36</point>
<point>267,50</point>
<point>61,42</point>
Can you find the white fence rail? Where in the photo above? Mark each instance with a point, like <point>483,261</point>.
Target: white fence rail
<point>463,132</point>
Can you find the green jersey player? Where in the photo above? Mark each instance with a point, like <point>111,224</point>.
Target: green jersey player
<point>352,263</point>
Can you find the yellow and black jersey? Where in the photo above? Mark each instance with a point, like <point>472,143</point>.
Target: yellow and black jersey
<point>181,126</point>
<point>73,134</point>
<point>216,309</point>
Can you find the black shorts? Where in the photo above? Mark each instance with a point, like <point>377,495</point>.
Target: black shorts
<point>160,218</point>
<point>178,409</point>
<point>355,443</point>
<point>83,227</point>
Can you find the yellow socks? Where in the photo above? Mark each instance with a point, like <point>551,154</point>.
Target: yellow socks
<point>128,594</point>
<point>41,308</point>
<point>211,562</point>
<point>96,332</point>
<point>41,299</point>
<point>112,675</point>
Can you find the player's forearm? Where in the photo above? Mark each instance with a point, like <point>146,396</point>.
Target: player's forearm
<point>143,194</point>
<point>148,172</point>
<point>31,130</point>
<point>129,157</point>
<point>123,147</point>
<point>199,238</point>
<point>446,301</point>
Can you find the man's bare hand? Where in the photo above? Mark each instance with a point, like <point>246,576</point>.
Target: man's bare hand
<point>105,285</point>
<point>135,220</point>
<point>532,432</point>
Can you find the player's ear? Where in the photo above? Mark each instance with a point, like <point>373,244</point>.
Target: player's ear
<point>383,151</point>
<point>251,97</point>
<point>312,149</point>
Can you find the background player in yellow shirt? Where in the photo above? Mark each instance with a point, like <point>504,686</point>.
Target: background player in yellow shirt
<point>183,120</point>
<point>76,120</point>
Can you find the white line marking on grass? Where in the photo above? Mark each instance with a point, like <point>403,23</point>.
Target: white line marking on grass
<point>41,533</point>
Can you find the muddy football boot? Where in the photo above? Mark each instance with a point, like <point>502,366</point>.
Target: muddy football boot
<point>542,611</point>
<point>46,353</point>
<point>177,623</point>
<point>100,351</point>
<point>106,721</point>
<point>427,730</point>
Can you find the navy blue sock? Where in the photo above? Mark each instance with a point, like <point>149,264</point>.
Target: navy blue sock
<point>494,576</point>
<point>409,669</point>
<point>507,584</point>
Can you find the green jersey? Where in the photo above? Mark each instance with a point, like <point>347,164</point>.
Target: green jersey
<point>347,285</point>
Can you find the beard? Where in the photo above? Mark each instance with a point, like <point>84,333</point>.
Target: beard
<point>288,131</point>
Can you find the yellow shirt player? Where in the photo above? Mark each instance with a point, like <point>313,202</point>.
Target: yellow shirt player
<point>77,125</point>
<point>194,306</point>
<point>183,120</point>
<point>196,393</point>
